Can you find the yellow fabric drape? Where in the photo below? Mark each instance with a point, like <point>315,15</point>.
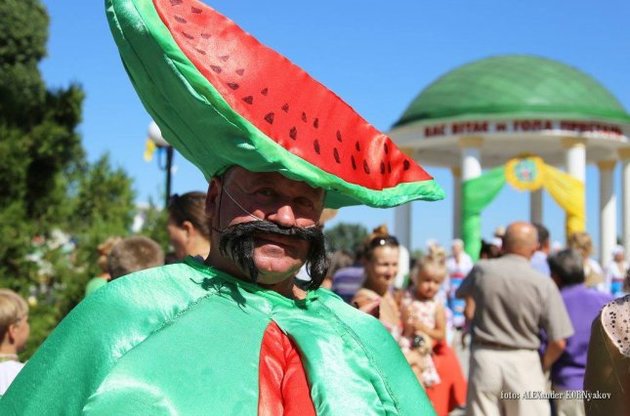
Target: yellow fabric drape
<point>530,173</point>
<point>568,192</point>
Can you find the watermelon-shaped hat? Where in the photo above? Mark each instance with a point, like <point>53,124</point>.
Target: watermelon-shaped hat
<point>221,98</point>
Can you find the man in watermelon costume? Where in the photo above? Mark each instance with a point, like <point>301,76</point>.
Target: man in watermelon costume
<point>234,335</point>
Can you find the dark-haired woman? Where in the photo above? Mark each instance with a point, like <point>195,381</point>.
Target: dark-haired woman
<point>381,266</point>
<point>188,227</point>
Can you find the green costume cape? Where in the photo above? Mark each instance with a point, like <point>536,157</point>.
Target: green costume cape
<point>185,339</point>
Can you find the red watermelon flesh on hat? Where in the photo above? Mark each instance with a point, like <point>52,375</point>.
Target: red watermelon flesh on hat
<point>222,98</point>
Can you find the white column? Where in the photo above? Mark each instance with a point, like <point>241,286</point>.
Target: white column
<point>576,157</point>
<point>457,201</point>
<point>624,155</point>
<point>607,210</point>
<point>536,206</point>
<point>402,224</point>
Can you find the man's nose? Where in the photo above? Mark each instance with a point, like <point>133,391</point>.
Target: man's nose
<point>284,216</point>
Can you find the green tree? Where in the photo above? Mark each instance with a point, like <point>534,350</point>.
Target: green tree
<point>38,141</point>
<point>345,236</point>
<point>155,222</point>
<point>55,207</point>
<point>101,207</point>
<point>416,254</point>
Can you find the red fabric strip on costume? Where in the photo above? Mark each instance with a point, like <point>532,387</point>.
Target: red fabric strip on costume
<point>283,389</point>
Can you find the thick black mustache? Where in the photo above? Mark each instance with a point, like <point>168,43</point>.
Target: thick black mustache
<point>237,243</point>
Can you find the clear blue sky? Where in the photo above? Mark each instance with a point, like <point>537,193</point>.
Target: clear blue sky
<point>376,55</point>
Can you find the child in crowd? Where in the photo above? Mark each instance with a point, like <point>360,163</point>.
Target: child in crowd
<point>424,338</point>
<point>424,322</point>
<point>14,331</point>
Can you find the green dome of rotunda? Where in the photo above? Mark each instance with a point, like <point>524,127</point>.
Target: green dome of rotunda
<point>512,86</point>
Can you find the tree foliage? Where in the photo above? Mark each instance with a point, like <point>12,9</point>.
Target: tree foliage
<point>38,140</point>
<point>55,207</point>
<point>154,227</point>
<point>23,34</point>
<point>345,236</point>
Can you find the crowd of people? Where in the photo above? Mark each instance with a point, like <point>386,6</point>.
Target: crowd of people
<point>241,321</point>
<point>523,313</point>
<point>523,303</point>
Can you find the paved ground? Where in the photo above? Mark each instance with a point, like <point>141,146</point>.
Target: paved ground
<point>463,354</point>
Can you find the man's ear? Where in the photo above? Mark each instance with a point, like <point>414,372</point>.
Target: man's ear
<point>212,197</point>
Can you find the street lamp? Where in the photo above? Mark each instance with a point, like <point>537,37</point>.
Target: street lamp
<point>156,137</point>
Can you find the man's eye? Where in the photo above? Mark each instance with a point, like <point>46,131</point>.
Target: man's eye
<point>266,192</point>
<point>305,202</point>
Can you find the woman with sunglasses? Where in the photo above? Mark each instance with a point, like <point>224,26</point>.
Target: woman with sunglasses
<point>380,260</point>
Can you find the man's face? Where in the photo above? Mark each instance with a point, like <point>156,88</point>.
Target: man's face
<point>242,197</point>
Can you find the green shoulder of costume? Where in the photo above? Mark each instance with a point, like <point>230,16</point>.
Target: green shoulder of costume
<point>384,357</point>
<point>77,356</point>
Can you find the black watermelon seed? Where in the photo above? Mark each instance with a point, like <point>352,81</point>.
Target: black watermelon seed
<point>201,51</point>
<point>406,165</point>
<point>336,155</point>
<point>339,136</point>
<point>224,58</point>
<point>304,119</point>
<point>366,168</point>
<point>382,168</point>
<point>389,167</point>
<point>195,10</point>
<point>357,146</point>
<point>176,2</point>
<point>206,35</point>
<point>316,146</point>
<point>316,123</point>
<point>233,85</point>
<point>216,69</point>
<point>249,99</point>
<point>354,164</point>
<point>386,148</point>
<point>293,133</point>
<point>240,71</point>
<point>180,19</point>
<point>264,91</point>
<point>186,35</point>
<point>269,118</point>
<point>285,107</point>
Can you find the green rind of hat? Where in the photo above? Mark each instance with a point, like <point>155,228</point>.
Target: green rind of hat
<point>200,124</point>
<point>515,86</point>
